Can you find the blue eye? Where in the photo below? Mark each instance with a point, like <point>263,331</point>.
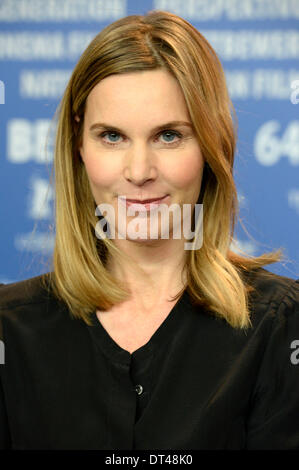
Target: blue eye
<point>110,133</point>
<point>115,135</point>
<point>172,134</point>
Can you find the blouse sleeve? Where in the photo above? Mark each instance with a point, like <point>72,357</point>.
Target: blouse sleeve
<point>5,441</point>
<point>273,421</point>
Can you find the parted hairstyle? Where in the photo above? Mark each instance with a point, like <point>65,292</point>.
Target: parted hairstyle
<point>214,273</point>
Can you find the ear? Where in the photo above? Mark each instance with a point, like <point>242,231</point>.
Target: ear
<point>80,150</point>
<point>77,119</point>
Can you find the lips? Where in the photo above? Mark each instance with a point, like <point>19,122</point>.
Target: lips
<point>143,206</point>
<point>145,201</point>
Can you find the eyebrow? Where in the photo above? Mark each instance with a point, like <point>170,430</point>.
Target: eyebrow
<point>103,125</point>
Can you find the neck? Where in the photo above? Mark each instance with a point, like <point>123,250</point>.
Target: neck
<point>155,271</point>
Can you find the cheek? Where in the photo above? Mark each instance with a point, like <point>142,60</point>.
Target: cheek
<point>101,170</point>
<point>186,170</point>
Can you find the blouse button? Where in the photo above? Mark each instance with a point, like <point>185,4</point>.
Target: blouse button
<point>139,389</point>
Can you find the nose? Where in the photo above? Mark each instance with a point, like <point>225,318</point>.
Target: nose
<point>140,164</point>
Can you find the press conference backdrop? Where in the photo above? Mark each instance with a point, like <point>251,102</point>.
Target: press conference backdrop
<point>257,42</point>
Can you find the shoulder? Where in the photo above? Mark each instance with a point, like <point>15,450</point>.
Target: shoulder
<point>271,289</point>
<point>269,286</point>
<point>27,302</point>
<point>274,300</point>
<point>24,292</point>
<point>272,421</point>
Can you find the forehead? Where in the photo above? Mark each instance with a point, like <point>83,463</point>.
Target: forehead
<point>151,91</point>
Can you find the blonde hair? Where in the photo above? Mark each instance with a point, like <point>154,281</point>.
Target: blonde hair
<point>215,274</point>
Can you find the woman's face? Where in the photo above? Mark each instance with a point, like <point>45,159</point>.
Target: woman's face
<point>130,149</point>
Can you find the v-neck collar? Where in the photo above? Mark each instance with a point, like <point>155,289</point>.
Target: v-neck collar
<point>164,332</point>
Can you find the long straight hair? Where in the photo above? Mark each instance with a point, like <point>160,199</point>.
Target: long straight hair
<point>214,273</point>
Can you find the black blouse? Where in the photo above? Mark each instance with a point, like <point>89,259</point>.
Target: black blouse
<point>197,383</point>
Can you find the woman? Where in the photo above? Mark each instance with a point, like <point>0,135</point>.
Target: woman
<point>140,343</point>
